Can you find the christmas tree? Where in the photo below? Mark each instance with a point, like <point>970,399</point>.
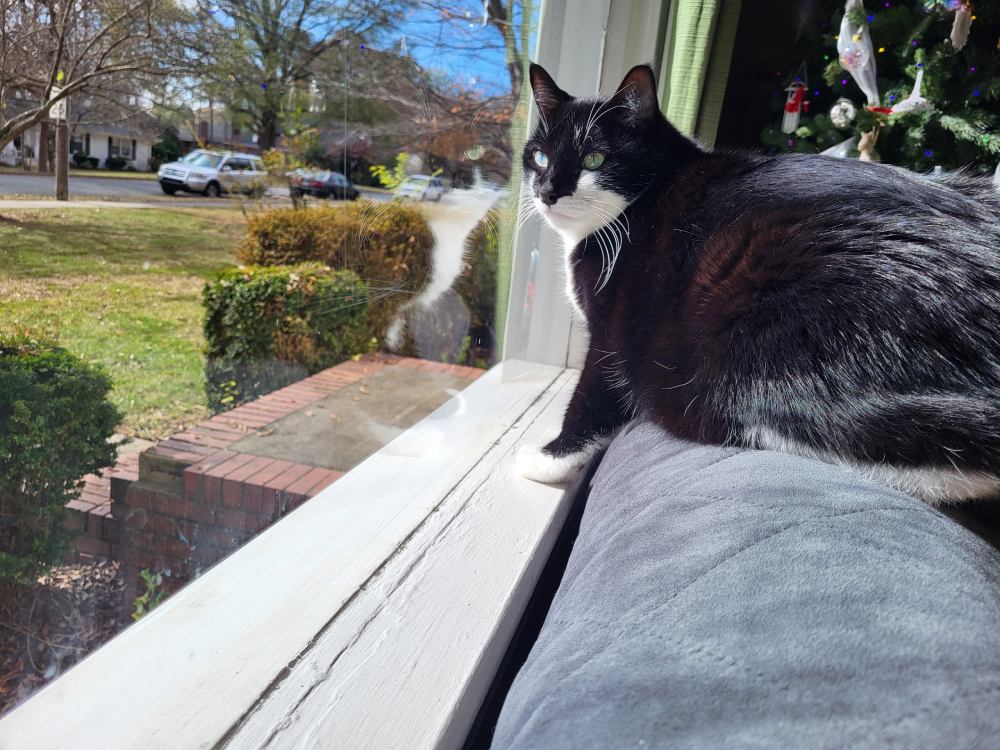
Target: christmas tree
<point>869,74</point>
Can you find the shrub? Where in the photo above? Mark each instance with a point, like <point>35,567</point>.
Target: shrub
<point>387,244</point>
<point>281,237</point>
<point>55,422</point>
<point>80,159</point>
<point>477,286</point>
<point>268,327</point>
<point>458,326</point>
<point>167,149</point>
<point>115,162</point>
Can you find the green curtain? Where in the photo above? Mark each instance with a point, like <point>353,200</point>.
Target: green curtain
<point>695,64</point>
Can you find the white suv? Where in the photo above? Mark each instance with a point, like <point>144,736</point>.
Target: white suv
<point>213,173</point>
<point>422,187</point>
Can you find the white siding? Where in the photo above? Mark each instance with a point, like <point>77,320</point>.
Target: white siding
<point>99,148</point>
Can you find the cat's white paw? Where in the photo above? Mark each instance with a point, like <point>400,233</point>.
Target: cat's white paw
<point>534,463</point>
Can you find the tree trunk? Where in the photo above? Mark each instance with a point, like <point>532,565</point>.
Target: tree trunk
<point>62,160</point>
<point>42,147</point>
<point>267,133</point>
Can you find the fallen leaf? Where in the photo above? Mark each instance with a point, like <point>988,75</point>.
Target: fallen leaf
<point>309,413</point>
<point>363,390</point>
<point>265,433</point>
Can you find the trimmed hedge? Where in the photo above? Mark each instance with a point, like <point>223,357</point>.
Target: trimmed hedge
<point>268,327</point>
<point>387,244</point>
<point>55,423</point>
<point>477,286</point>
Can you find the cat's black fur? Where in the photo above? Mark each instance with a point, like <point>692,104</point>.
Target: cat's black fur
<point>851,308</point>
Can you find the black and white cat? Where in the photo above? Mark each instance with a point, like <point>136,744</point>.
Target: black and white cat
<point>825,307</point>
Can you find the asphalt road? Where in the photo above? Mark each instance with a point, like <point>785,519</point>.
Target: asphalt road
<point>31,184</point>
<point>120,187</point>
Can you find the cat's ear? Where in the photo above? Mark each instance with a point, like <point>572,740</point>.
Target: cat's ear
<point>548,96</point>
<point>637,93</point>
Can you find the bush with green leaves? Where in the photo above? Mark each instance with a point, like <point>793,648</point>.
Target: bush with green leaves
<point>115,163</point>
<point>267,327</point>
<point>458,327</point>
<point>167,149</point>
<point>388,245</point>
<point>55,423</point>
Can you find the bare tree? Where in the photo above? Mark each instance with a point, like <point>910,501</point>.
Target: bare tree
<point>53,49</point>
<point>258,53</point>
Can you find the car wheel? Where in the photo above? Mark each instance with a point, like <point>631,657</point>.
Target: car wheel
<point>212,190</point>
<point>169,189</point>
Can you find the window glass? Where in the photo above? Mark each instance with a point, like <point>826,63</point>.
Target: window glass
<point>227,360</point>
<point>202,159</point>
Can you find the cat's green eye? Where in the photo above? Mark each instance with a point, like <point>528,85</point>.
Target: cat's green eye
<point>541,159</point>
<point>593,160</point>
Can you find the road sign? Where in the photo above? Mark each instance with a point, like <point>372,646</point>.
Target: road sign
<point>57,110</point>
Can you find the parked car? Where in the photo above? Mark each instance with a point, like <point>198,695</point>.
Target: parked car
<point>421,187</point>
<point>213,173</point>
<point>323,185</point>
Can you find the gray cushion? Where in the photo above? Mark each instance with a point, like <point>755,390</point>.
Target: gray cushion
<point>725,598</point>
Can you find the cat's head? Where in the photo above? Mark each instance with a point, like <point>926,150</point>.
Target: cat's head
<point>589,158</point>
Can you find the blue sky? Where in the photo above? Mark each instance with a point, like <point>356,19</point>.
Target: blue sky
<point>450,37</point>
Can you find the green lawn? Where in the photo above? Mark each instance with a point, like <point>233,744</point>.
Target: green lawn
<point>122,288</point>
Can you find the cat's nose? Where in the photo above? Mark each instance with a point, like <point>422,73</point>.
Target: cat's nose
<point>548,197</point>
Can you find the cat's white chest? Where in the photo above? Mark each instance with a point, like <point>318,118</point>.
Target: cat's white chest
<point>570,241</point>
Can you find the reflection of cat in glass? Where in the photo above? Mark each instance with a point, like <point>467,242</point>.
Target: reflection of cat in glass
<point>826,307</point>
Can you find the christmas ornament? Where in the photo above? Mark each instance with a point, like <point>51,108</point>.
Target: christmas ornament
<point>843,149</point>
<point>914,102</point>
<point>794,105</point>
<point>842,113</point>
<point>960,26</point>
<point>854,45</point>
<point>866,146</point>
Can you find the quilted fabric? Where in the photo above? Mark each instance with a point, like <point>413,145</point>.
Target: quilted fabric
<point>727,598</point>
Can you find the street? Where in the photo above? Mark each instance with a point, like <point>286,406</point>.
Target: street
<point>123,187</point>
<point>34,184</point>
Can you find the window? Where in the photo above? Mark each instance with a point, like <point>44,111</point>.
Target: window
<point>122,148</point>
<point>278,389</point>
<point>202,159</point>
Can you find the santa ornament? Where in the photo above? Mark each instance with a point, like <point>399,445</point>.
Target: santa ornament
<point>794,105</point>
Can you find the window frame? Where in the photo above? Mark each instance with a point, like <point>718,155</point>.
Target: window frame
<point>269,641</point>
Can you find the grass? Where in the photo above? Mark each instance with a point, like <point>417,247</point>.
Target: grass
<point>121,288</point>
<point>88,173</point>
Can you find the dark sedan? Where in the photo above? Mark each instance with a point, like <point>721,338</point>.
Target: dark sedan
<point>324,185</point>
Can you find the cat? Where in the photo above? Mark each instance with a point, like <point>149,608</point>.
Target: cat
<point>830,308</point>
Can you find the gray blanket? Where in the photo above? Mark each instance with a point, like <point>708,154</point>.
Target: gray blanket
<point>719,598</point>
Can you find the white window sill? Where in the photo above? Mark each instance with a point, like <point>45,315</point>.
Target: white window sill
<point>373,616</point>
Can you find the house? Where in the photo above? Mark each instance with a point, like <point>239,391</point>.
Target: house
<point>100,134</point>
<point>103,142</point>
<point>212,126</point>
